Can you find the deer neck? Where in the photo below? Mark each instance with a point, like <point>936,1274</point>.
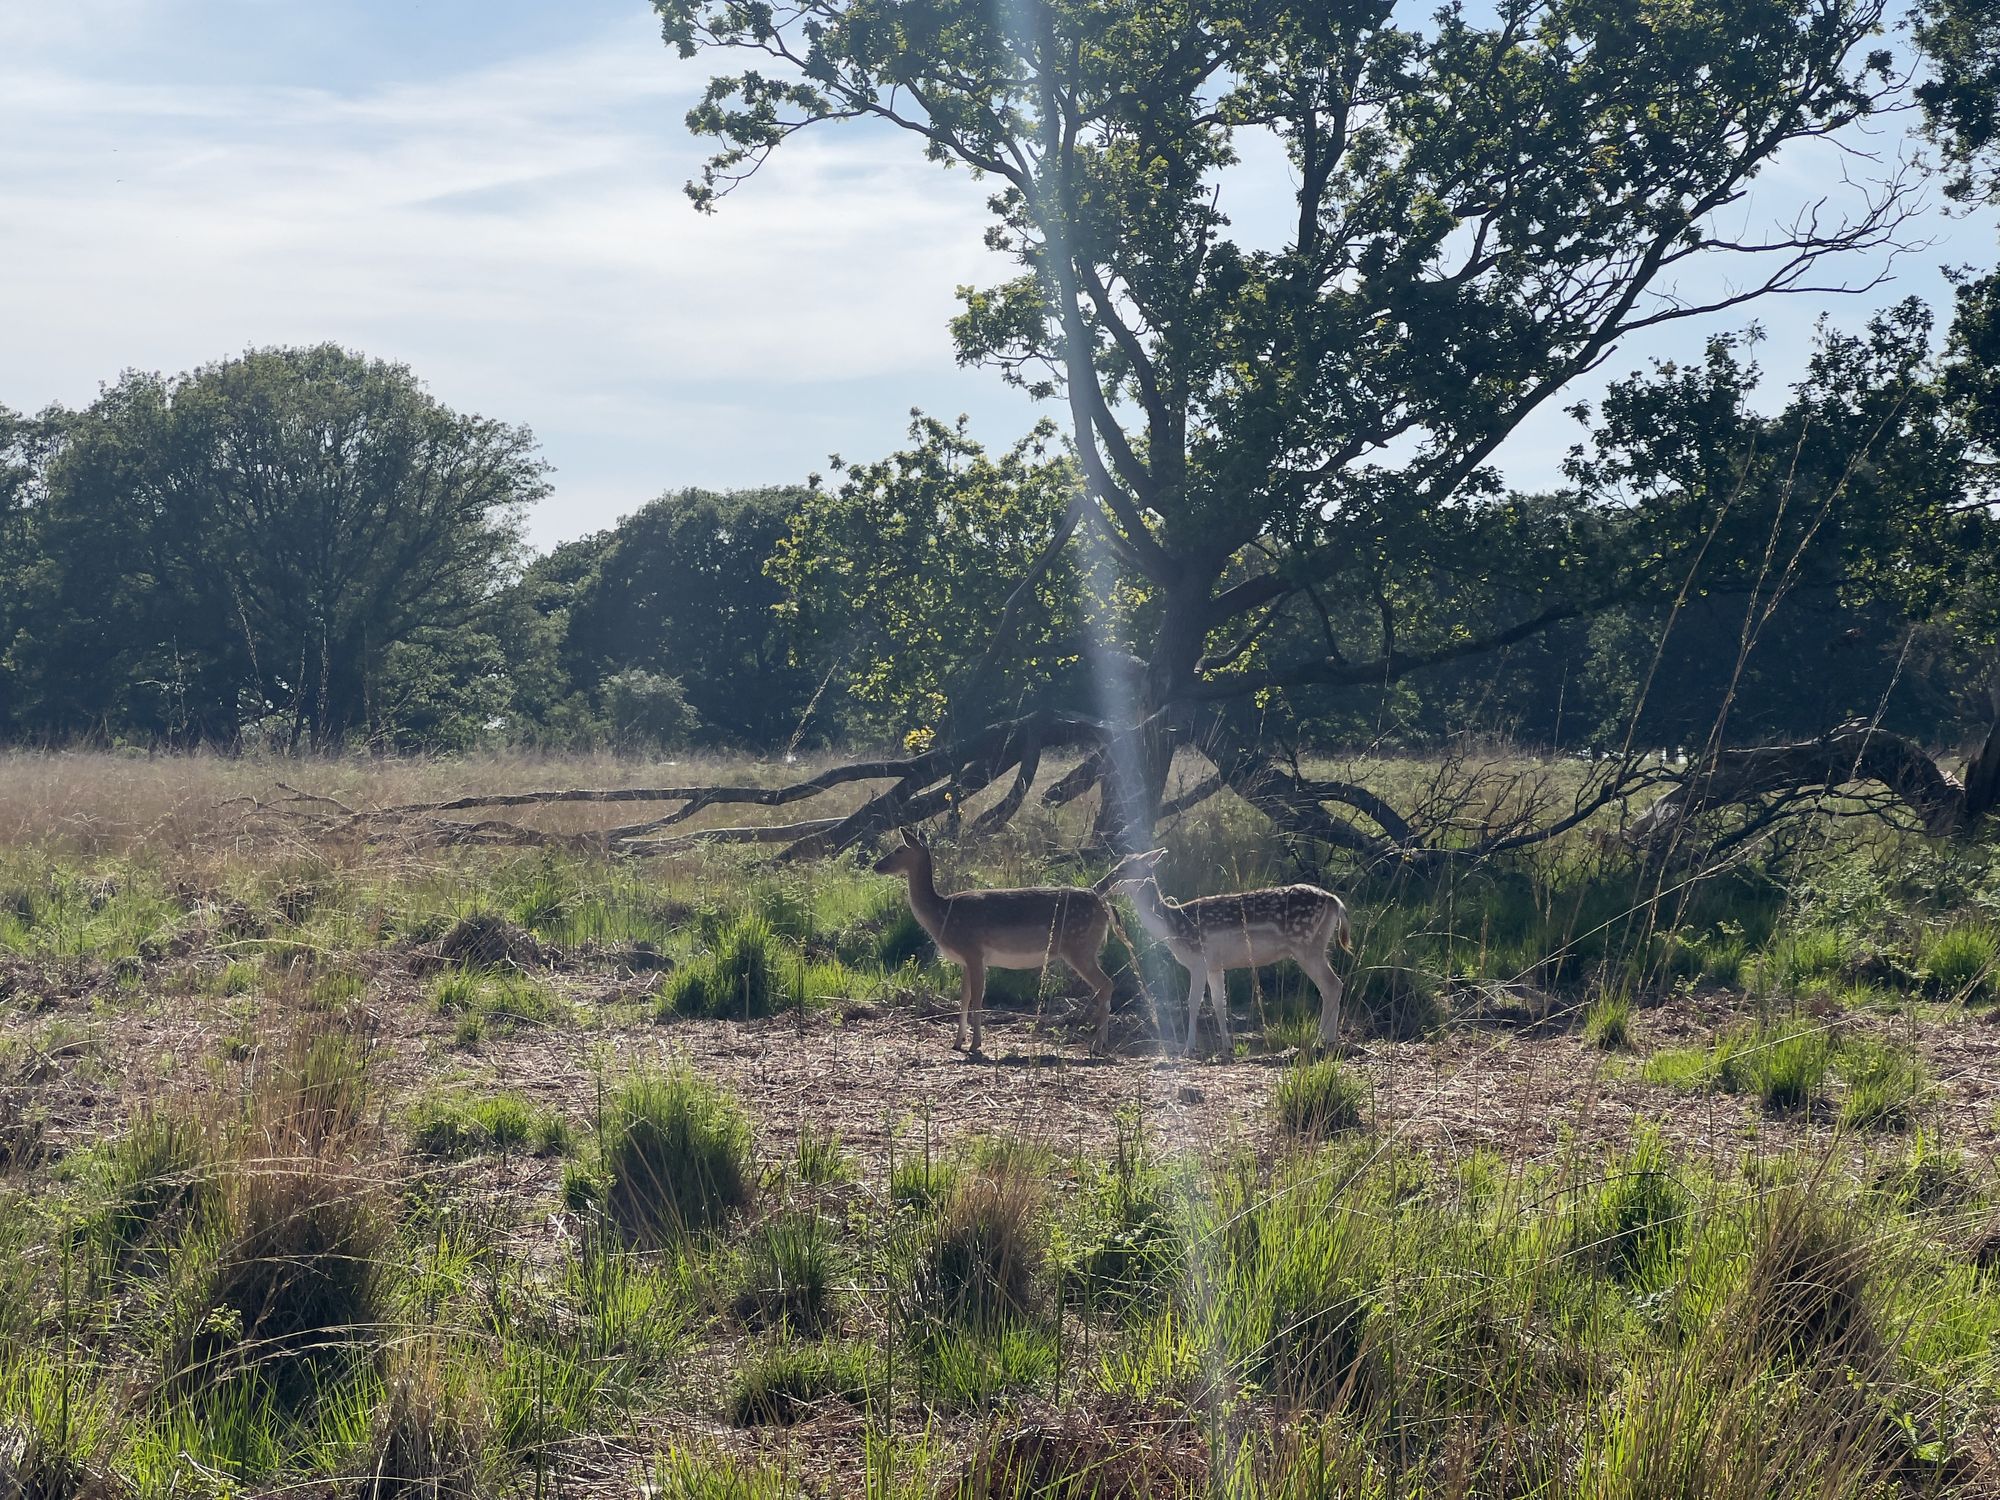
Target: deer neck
<point>1155,913</point>
<point>925,902</point>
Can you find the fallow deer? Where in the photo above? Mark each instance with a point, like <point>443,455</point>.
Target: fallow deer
<point>1025,928</point>
<point>1213,934</point>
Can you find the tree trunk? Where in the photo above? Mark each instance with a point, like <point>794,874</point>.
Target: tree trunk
<point>1141,752</point>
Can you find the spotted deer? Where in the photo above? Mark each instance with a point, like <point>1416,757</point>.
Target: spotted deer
<point>1213,934</point>
<point>1026,928</point>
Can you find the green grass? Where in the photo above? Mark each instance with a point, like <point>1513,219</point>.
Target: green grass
<point>1785,1065</point>
<point>676,1156</point>
<point>1318,1098</point>
<point>784,1381</point>
<point>1963,962</point>
<point>743,977</point>
<point>462,1124</point>
<point>1607,1025</point>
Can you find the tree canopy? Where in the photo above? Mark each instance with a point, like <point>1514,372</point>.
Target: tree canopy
<point>1481,211</point>
<point>300,534</point>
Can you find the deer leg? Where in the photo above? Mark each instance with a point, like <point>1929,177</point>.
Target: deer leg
<point>1091,972</point>
<point>971,1002</point>
<point>1218,996</point>
<point>1320,972</point>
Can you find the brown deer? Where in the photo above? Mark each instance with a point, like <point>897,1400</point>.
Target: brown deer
<point>1008,929</point>
<point>1213,934</point>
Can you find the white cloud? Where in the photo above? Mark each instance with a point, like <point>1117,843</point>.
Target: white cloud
<point>518,233</point>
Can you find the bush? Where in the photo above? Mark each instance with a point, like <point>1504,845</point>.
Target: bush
<point>647,711</point>
<point>1319,1098</point>
<point>676,1156</point>
<point>980,1260</point>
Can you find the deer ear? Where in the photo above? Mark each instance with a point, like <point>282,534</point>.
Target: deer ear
<point>910,837</point>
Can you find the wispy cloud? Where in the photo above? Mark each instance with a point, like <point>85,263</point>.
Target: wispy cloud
<point>512,225</point>
<point>518,233</point>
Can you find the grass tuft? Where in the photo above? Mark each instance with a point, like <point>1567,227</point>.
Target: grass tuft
<point>784,1381</point>
<point>676,1156</point>
<point>1320,1098</point>
<point>742,978</point>
<point>980,1259</point>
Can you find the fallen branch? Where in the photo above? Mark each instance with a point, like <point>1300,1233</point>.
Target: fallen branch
<point>1850,755</point>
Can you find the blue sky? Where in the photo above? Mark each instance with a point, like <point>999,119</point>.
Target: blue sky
<point>490,190</point>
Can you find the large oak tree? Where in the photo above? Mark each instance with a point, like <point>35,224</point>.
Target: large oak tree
<point>1480,211</point>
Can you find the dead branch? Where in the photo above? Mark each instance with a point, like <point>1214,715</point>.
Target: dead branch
<point>1854,754</point>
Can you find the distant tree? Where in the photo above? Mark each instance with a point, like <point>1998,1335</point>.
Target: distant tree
<point>282,537</point>
<point>647,711</point>
<point>679,590</point>
<point>898,576</point>
<point>26,444</point>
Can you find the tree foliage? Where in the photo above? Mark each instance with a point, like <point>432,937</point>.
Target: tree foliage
<point>896,576</point>
<point>289,536</point>
<point>1481,211</point>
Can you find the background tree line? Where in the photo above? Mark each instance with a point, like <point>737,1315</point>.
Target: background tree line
<point>300,547</point>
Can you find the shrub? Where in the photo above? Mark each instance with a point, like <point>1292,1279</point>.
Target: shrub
<point>647,711</point>
<point>740,979</point>
<point>289,1287</point>
<point>789,1274</point>
<point>1961,961</point>
<point>979,1262</point>
<point>1319,1098</point>
<point>676,1156</point>
<point>779,1384</point>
